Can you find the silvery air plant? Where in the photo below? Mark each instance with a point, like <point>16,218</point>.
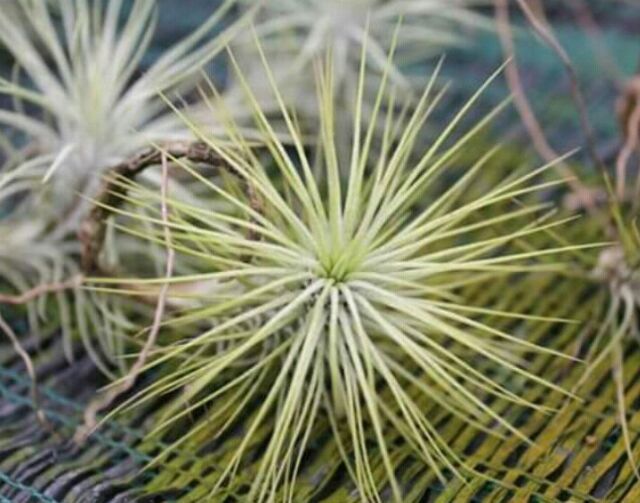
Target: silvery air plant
<point>80,105</point>
<point>80,62</point>
<point>297,32</point>
<point>335,299</point>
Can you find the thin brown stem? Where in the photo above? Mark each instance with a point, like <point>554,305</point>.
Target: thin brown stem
<point>629,146</point>
<point>93,228</point>
<point>525,111</point>
<point>40,290</point>
<point>26,359</point>
<point>104,401</point>
<point>512,74</point>
<point>546,34</point>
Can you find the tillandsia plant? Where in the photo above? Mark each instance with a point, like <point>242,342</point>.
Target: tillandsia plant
<point>617,270</point>
<point>335,298</point>
<point>295,33</point>
<point>80,105</point>
<point>79,61</point>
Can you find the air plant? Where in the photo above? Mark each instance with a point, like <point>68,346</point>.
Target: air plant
<point>47,275</point>
<point>80,106</point>
<point>612,212</point>
<point>336,297</point>
<point>295,33</point>
<point>617,270</point>
<point>93,108</point>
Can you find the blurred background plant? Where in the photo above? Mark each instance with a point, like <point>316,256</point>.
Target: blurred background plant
<point>296,34</point>
<point>93,108</point>
<point>80,105</point>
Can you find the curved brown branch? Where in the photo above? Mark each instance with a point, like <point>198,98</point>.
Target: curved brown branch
<point>23,298</point>
<point>26,359</point>
<point>40,290</point>
<point>104,401</point>
<point>546,34</point>
<point>92,234</point>
<point>526,113</point>
<point>92,230</point>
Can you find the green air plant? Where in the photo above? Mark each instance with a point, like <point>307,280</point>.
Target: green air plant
<point>79,106</point>
<point>335,297</point>
<point>613,210</point>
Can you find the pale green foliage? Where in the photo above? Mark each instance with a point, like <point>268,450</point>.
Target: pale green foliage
<point>296,32</point>
<point>93,109</point>
<point>338,297</point>
<point>79,106</point>
<point>29,259</point>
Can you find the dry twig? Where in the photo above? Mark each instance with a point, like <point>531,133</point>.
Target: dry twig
<point>104,401</point>
<point>545,32</point>
<point>23,298</point>
<point>26,359</point>
<point>92,234</point>
<point>93,228</point>
<point>628,109</point>
<point>528,117</point>
<point>40,290</point>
